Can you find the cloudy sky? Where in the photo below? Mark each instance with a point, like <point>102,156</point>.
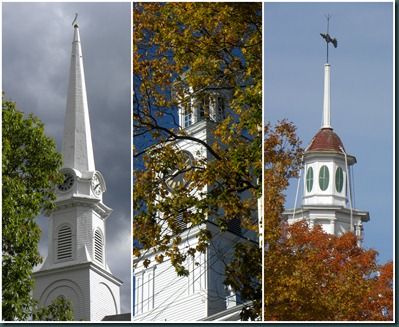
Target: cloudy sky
<point>36,50</point>
<point>361,93</point>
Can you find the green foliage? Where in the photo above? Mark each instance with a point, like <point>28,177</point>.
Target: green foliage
<point>59,310</point>
<point>30,169</point>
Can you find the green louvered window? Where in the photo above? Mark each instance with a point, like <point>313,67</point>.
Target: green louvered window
<point>324,178</point>
<point>339,179</point>
<point>309,179</point>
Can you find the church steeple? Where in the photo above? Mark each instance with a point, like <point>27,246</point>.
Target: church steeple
<point>76,265</point>
<point>327,185</point>
<point>77,150</point>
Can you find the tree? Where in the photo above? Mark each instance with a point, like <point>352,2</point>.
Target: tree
<point>379,304</point>
<point>182,52</point>
<point>30,169</point>
<point>59,310</point>
<point>312,275</point>
<point>282,153</point>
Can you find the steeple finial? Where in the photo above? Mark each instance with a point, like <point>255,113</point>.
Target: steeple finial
<point>77,149</point>
<point>326,106</point>
<point>76,17</point>
<point>327,37</point>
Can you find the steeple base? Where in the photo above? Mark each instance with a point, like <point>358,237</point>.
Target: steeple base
<point>81,284</point>
<point>333,220</point>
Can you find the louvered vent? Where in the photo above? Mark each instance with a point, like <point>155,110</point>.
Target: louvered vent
<point>64,250</point>
<point>98,246</point>
<point>180,221</point>
<point>234,226</point>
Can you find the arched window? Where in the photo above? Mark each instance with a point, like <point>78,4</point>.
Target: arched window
<point>309,179</point>
<point>339,179</point>
<point>324,178</point>
<point>204,107</point>
<point>64,243</point>
<point>220,109</point>
<point>98,246</point>
<point>188,115</point>
<point>216,108</point>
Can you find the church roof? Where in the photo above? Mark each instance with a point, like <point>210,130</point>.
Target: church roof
<point>118,317</point>
<point>326,140</point>
<point>231,314</point>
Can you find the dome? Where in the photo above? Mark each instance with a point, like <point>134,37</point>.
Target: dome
<point>326,140</point>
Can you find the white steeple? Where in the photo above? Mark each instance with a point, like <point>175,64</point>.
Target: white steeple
<point>77,149</point>
<point>326,107</point>
<point>76,265</point>
<point>327,190</point>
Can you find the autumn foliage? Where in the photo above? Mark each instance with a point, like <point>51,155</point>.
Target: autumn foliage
<point>187,53</point>
<point>184,53</point>
<point>312,275</point>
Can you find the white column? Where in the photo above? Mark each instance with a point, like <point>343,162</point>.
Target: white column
<point>332,226</point>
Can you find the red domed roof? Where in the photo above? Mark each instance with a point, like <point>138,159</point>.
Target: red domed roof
<point>326,140</point>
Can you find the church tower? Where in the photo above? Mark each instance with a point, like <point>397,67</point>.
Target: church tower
<point>159,294</point>
<point>327,194</point>
<point>76,265</point>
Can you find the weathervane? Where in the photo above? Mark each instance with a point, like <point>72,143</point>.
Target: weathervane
<point>76,17</point>
<point>327,37</point>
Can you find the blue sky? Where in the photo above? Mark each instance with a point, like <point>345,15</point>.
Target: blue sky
<point>362,111</point>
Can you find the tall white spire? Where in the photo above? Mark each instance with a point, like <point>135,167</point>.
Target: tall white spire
<point>326,107</point>
<point>77,149</point>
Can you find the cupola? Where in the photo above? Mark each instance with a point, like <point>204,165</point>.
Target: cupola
<point>200,104</point>
<point>327,198</point>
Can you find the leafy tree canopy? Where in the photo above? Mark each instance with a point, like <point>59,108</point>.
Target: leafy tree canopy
<point>59,310</point>
<point>183,52</point>
<point>312,275</point>
<point>30,169</point>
